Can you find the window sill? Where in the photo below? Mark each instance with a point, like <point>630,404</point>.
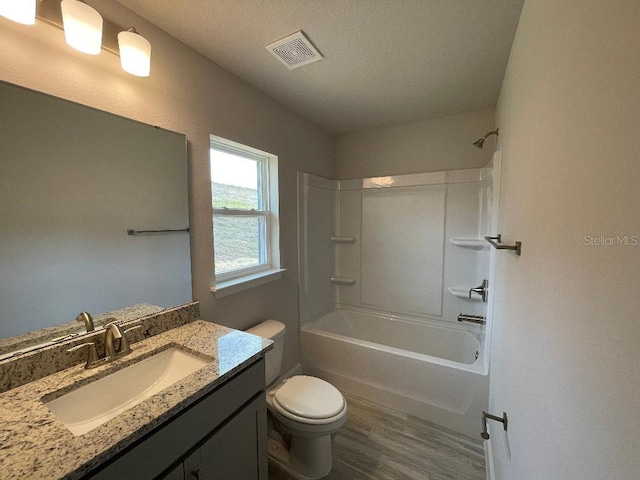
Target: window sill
<point>229,287</point>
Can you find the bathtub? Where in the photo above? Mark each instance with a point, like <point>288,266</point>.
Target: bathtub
<point>421,367</point>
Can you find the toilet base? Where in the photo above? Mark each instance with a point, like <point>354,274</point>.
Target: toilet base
<point>305,460</point>
<point>279,456</point>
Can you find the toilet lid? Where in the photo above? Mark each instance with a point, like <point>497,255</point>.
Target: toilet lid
<point>309,397</point>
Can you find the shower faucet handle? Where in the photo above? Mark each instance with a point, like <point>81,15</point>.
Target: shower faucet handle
<point>482,290</point>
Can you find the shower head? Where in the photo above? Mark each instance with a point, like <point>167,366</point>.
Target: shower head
<point>480,142</point>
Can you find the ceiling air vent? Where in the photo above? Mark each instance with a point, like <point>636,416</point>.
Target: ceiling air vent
<point>294,51</point>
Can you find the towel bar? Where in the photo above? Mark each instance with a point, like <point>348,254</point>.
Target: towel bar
<point>495,242</point>
<point>131,231</point>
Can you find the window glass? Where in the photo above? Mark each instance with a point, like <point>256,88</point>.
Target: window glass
<point>245,208</point>
<point>234,181</point>
<point>237,243</point>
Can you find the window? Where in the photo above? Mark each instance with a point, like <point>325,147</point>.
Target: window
<point>245,216</point>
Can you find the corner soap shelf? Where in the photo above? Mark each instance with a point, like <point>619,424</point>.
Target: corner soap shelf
<point>469,242</point>
<point>463,293</point>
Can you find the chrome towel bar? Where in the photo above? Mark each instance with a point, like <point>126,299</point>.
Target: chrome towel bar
<point>131,231</point>
<point>495,242</point>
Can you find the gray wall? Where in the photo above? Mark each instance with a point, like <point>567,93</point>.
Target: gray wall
<point>428,146</point>
<point>189,94</point>
<point>566,338</point>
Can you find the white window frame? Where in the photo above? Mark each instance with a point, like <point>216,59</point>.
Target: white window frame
<point>269,268</point>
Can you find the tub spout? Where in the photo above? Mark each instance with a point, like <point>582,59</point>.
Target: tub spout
<point>463,317</point>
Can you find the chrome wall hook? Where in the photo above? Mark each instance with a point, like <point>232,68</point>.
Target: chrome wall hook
<point>485,416</point>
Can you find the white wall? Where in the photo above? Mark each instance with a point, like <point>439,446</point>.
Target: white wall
<point>428,146</point>
<point>191,95</point>
<point>566,342</point>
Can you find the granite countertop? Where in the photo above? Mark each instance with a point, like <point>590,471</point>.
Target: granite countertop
<point>35,444</point>
<point>73,328</point>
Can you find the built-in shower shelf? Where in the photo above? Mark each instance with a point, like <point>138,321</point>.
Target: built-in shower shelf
<point>343,239</point>
<point>463,293</point>
<point>343,280</point>
<point>469,242</point>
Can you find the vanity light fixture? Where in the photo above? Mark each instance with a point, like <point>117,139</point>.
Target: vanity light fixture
<point>85,30</point>
<point>21,11</point>
<point>135,53</point>
<point>82,26</point>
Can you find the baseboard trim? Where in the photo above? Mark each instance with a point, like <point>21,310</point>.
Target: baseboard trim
<point>488,460</point>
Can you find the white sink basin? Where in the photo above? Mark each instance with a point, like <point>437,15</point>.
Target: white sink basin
<point>92,405</point>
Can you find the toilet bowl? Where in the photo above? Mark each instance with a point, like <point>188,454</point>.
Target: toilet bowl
<point>303,411</point>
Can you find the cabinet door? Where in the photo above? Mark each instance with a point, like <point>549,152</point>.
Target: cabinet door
<point>176,474</point>
<point>235,451</point>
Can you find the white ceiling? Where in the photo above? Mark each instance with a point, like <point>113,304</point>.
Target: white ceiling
<point>386,61</point>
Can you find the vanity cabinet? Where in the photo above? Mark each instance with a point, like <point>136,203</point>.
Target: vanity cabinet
<point>230,453</point>
<point>221,436</point>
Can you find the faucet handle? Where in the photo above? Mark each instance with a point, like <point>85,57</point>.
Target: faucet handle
<point>482,290</point>
<point>135,327</point>
<point>93,359</point>
<point>125,348</point>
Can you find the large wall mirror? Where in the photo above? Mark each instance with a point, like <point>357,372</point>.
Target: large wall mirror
<point>73,181</point>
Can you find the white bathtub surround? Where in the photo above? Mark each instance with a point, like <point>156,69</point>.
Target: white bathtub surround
<point>392,278</point>
<point>425,368</point>
<point>316,251</point>
<point>405,243</point>
<point>390,333</point>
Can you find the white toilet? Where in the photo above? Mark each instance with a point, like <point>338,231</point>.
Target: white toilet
<point>303,412</point>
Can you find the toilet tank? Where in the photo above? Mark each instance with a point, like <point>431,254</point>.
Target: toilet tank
<point>273,330</point>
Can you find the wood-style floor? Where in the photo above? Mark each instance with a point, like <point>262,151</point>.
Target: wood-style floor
<point>377,443</point>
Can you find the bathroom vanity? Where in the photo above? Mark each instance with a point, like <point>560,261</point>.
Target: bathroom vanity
<point>209,424</point>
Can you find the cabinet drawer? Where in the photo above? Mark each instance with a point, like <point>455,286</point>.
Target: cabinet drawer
<point>170,442</point>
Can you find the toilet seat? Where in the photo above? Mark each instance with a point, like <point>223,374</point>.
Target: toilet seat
<point>308,400</point>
